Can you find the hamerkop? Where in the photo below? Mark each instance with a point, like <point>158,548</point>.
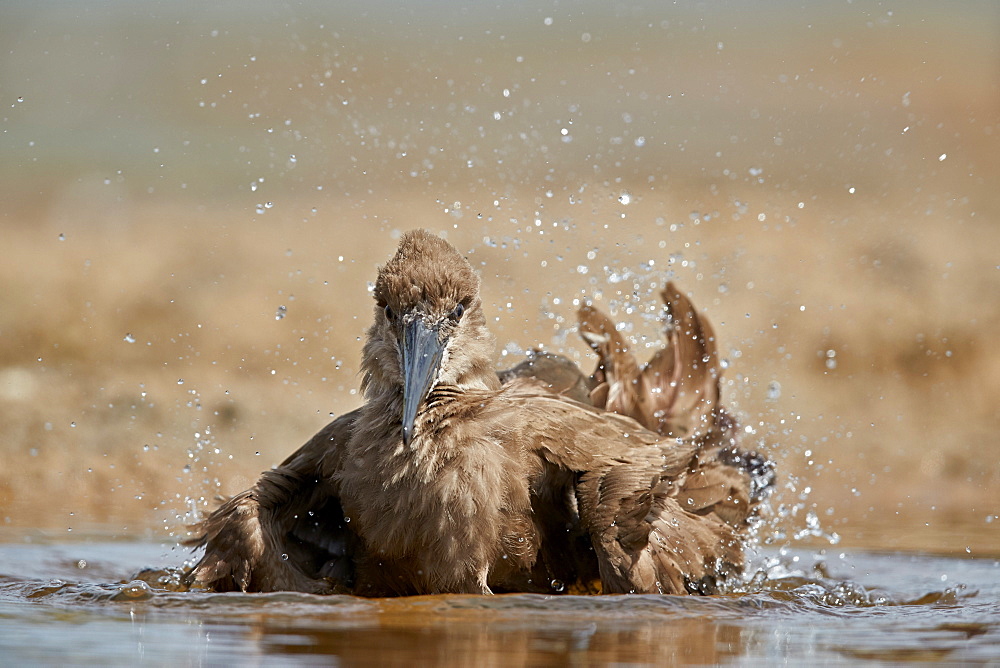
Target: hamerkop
<point>454,478</point>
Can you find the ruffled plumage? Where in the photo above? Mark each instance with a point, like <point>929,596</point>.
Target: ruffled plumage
<point>535,479</point>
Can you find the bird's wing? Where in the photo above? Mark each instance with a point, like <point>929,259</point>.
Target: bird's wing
<point>550,372</point>
<point>725,480</point>
<point>287,532</point>
<point>628,484</point>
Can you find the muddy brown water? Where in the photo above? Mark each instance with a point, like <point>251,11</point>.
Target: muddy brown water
<point>100,601</point>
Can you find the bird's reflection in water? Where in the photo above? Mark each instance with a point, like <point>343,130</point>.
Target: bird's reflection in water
<point>403,637</point>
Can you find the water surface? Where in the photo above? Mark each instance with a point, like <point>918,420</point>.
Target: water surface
<point>83,603</point>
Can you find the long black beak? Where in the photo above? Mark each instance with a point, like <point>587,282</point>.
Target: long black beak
<point>421,358</point>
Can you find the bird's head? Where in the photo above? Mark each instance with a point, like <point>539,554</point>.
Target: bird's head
<point>429,327</point>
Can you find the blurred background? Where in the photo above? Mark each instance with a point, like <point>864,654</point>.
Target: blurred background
<point>194,199</point>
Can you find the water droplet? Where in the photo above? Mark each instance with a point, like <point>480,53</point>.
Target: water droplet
<point>281,312</point>
<point>136,590</point>
<point>557,585</point>
<point>284,557</point>
<point>129,338</point>
<point>773,390</point>
<point>62,237</point>
<point>625,198</point>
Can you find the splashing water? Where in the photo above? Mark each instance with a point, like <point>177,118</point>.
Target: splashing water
<point>796,607</point>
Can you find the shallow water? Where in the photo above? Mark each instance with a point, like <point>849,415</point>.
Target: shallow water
<point>78,602</point>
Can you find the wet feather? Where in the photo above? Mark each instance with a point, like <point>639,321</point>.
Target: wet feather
<point>534,479</point>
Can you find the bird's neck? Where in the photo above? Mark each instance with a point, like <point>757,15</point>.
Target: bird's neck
<point>448,398</point>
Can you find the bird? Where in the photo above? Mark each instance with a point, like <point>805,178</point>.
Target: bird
<point>452,477</point>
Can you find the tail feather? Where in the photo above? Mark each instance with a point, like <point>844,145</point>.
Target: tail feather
<point>677,391</point>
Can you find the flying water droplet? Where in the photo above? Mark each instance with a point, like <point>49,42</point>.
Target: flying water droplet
<point>137,590</point>
<point>773,390</point>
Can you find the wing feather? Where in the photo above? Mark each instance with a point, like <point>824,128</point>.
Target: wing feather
<point>287,532</point>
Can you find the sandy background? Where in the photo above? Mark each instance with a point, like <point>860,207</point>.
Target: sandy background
<point>822,180</point>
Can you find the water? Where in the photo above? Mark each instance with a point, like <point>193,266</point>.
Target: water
<point>78,603</point>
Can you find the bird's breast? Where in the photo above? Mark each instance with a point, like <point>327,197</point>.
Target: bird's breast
<point>455,495</point>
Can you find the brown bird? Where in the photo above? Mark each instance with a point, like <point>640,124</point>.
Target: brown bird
<point>451,478</point>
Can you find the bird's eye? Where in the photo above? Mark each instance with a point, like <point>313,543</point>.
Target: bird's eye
<point>456,315</point>
<point>389,314</point>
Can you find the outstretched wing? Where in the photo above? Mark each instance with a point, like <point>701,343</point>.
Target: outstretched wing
<point>287,532</point>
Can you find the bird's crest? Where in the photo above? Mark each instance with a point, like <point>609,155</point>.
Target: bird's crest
<point>426,270</point>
